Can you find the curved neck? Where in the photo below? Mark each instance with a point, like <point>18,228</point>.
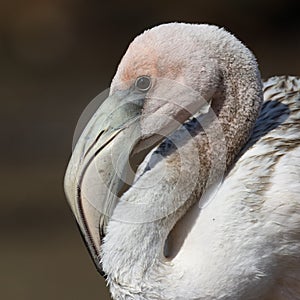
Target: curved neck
<point>133,251</point>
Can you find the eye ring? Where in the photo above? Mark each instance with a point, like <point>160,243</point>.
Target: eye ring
<point>143,83</point>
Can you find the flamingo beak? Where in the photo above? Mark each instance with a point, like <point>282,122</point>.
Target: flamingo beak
<point>96,171</point>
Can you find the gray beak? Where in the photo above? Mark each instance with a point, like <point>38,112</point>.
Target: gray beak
<point>96,171</point>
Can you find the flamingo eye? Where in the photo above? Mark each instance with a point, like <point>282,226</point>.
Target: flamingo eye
<point>143,83</point>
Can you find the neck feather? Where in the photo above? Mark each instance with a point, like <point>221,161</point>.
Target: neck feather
<point>133,249</point>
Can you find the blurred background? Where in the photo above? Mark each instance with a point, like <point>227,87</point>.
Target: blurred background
<point>55,57</point>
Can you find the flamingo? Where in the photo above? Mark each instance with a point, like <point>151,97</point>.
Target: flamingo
<point>185,183</point>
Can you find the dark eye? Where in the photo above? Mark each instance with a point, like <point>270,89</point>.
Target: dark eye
<point>143,83</point>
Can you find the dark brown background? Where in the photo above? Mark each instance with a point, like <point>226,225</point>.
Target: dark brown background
<point>55,56</point>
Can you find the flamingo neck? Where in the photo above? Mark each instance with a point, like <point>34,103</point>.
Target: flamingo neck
<point>133,249</point>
